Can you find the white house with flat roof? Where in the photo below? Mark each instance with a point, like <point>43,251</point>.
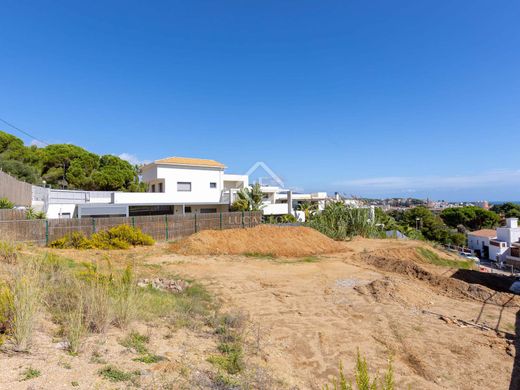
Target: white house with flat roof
<point>497,245</point>
<point>175,185</point>
<point>278,201</point>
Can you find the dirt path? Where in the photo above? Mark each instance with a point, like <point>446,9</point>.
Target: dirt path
<point>308,316</point>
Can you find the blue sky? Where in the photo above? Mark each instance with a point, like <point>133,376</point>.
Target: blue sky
<point>374,98</point>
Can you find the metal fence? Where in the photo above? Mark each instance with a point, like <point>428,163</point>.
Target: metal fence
<point>160,227</point>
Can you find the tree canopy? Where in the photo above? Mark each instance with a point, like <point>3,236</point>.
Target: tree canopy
<point>471,217</point>
<point>508,210</point>
<point>67,166</point>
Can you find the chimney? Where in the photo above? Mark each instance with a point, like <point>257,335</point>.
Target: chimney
<point>512,223</point>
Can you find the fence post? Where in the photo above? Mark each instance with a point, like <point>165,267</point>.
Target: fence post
<point>250,218</point>
<point>166,225</point>
<point>46,232</point>
<point>133,222</point>
<point>195,222</point>
<point>221,220</point>
<point>243,219</point>
<point>93,225</point>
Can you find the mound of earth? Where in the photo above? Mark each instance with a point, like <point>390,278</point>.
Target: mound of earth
<point>289,241</point>
<point>448,286</point>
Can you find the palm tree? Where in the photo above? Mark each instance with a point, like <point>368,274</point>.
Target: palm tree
<point>308,209</point>
<point>249,199</point>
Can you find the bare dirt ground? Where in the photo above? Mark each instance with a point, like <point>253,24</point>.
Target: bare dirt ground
<point>306,315</point>
<point>312,315</point>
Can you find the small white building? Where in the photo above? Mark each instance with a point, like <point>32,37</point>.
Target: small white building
<point>175,185</point>
<point>497,246</point>
<point>478,241</point>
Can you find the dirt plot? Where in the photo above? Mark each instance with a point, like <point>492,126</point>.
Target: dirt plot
<point>377,296</point>
<point>263,240</point>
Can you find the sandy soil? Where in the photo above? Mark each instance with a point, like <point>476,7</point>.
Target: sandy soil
<point>306,315</point>
<point>311,316</point>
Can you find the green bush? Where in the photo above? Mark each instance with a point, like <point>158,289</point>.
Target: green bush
<point>6,203</point>
<point>362,378</point>
<point>118,237</point>
<point>341,222</point>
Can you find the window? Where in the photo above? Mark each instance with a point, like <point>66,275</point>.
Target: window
<point>212,185</point>
<point>153,187</point>
<point>187,209</point>
<point>184,186</point>
<point>160,187</point>
<point>208,210</point>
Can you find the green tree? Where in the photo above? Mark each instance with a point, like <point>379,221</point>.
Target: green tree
<point>472,217</point>
<point>308,209</point>
<point>249,199</point>
<point>508,210</point>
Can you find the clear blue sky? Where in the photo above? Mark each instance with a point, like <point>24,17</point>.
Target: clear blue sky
<point>376,98</point>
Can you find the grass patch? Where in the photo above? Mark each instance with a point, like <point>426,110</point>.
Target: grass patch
<point>113,374</point>
<point>433,258</point>
<point>148,358</point>
<point>229,329</point>
<point>259,255</point>
<point>136,341</point>
<point>30,373</point>
<point>307,259</point>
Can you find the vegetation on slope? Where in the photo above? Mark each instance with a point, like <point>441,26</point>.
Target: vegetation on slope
<point>66,166</point>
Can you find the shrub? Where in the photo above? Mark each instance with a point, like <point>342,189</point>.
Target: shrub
<point>75,240</point>
<point>114,374</point>
<point>340,222</point>
<point>362,378</point>
<point>6,203</point>
<point>118,237</point>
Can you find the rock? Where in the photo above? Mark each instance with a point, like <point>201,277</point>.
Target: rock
<point>170,285</point>
<point>64,345</point>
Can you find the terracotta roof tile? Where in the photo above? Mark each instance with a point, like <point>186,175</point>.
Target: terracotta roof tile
<point>198,162</point>
<point>484,233</point>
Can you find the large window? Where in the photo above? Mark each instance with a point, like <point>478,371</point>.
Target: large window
<point>184,186</point>
<point>212,185</point>
<point>153,187</point>
<point>160,187</point>
<point>208,210</point>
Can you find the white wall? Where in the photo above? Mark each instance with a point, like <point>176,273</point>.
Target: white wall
<point>276,209</point>
<point>477,242</point>
<point>498,253</point>
<point>508,235</point>
<point>200,179</point>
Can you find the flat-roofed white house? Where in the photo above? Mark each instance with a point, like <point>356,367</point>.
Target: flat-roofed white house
<point>175,185</point>
<point>278,201</point>
<point>500,245</point>
<point>478,241</point>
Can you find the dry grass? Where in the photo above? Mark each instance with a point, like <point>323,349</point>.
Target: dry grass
<point>265,240</point>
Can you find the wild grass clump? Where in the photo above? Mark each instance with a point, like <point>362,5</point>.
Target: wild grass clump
<point>125,298</point>
<point>230,329</point>
<point>341,222</point>
<point>362,378</point>
<point>9,252</point>
<point>114,374</point>
<point>25,294</point>
<point>118,237</point>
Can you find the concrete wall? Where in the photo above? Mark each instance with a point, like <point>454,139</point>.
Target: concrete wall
<point>18,192</point>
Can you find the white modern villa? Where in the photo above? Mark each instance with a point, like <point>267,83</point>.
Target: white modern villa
<point>279,201</point>
<point>176,185</point>
<point>501,245</point>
